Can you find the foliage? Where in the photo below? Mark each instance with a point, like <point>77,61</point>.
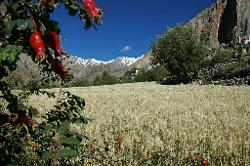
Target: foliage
<point>225,63</point>
<point>188,58</point>
<point>26,27</point>
<point>156,73</point>
<point>81,83</point>
<point>180,52</point>
<point>104,79</point>
<point>128,76</point>
<point>45,140</point>
<point>143,76</point>
<point>221,55</point>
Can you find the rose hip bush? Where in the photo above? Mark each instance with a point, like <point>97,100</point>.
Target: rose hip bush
<point>26,27</point>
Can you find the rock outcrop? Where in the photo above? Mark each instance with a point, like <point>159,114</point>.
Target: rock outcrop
<point>223,22</point>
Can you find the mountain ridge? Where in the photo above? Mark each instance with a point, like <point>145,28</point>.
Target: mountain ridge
<point>89,67</point>
<point>124,60</point>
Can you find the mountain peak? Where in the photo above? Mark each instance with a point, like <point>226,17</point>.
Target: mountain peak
<point>82,67</point>
<point>121,60</point>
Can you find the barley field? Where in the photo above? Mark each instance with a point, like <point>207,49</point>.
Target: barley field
<point>151,124</point>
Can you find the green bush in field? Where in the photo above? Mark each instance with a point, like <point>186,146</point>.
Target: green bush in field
<point>159,73</point>
<point>180,52</point>
<point>81,83</point>
<point>156,73</point>
<point>128,76</point>
<point>105,79</point>
<point>143,76</point>
<point>224,63</point>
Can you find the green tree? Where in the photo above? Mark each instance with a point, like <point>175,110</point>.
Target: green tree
<point>159,73</point>
<point>180,52</point>
<point>105,79</point>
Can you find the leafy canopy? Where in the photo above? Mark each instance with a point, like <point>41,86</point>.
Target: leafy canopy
<point>180,52</point>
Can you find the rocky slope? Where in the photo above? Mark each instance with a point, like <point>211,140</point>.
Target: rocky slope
<point>26,71</point>
<point>143,62</point>
<point>223,22</point>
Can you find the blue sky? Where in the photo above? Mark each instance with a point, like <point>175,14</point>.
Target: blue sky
<point>129,26</point>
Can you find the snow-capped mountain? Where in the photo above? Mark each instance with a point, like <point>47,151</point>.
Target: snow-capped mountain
<point>121,60</point>
<point>90,62</point>
<point>81,67</point>
<point>126,61</point>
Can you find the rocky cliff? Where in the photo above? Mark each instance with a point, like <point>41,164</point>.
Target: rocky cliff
<point>223,22</point>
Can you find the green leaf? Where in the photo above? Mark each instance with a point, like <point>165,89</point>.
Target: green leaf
<point>47,128</point>
<point>47,155</point>
<point>13,55</point>
<point>8,27</point>
<point>64,127</point>
<point>2,56</point>
<point>67,153</point>
<point>23,24</point>
<point>75,141</point>
<point>6,50</point>
<point>14,6</point>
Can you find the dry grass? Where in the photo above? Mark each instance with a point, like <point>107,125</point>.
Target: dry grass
<point>133,121</point>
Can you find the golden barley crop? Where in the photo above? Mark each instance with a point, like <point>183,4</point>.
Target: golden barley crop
<point>151,124</point>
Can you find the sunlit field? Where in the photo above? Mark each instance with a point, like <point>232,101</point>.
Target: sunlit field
<point>151,124</point>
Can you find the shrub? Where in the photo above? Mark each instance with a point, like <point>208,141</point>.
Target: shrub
<point>104,79</point>
<point>224,63</point>
<point>143,76</point>
<point>81,83</point>
<point>159,73</point>
<point>128,76</point>
<point>156,73</point>
<point>221,55</point>
<point>180,52</point>
<point>26,27</point>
